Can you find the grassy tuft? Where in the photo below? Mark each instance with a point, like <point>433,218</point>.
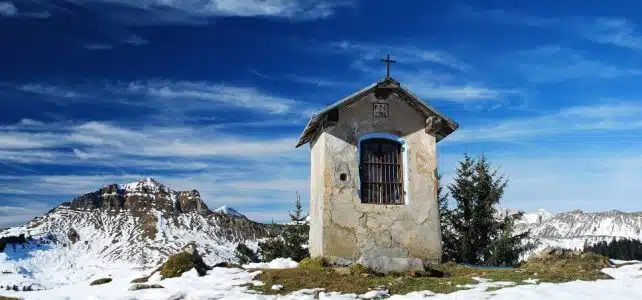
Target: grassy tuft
<point>568,267</point>
<point>448,276</point>
<point>100,281</point>
<point>8,298</point>
<point>358,269</point>
<point>140,280</point>
<point>312,263</point>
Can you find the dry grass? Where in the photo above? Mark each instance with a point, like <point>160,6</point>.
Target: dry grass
<point>8,298</point>
<point>556,268</point>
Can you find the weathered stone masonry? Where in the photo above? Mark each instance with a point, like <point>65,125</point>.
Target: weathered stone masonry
<point>341,227</point>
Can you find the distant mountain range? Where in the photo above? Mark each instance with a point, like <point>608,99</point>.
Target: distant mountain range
<point>572,230</point>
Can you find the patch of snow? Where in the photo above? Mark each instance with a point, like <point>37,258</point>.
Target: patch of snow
<point>277,287</point>
<point>277,263</point>
<point>223,283</point>
<point>617,261</point>
<point>374,294</point>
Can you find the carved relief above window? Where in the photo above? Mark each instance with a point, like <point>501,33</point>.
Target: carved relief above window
<point>381,171</point>
<point>380,110</point>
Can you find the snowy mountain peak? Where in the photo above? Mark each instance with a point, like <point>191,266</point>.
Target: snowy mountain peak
<point>229,211</point>
<point>141,195</point>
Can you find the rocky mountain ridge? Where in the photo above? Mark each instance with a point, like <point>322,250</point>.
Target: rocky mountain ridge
<point>137,225</point>
<point>574,229</point>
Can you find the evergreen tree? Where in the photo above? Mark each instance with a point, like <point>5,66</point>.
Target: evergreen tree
<point>461,217</point>
<point>480,237</point>
<point>245,255</point>
<point>296,234</point>
<point>287,241</point>
<point>273,246</point>
<point>448,241</point>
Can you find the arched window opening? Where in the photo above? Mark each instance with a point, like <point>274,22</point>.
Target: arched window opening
<point>381,171</point>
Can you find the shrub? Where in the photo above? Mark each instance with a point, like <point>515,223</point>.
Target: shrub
<point>142,286</point>
<point>356,269</point>
<point>100,281</point>
<point>140,280</point>
<point>182,262</point>
<point>245,255</point>
<point>312,263</point>
<point>287,240</point>
<point>176,265</point>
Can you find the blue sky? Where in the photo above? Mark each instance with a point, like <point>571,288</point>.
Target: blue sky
<point>212,94</point>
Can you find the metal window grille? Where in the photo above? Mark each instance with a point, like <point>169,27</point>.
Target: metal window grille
<point>381,171</point>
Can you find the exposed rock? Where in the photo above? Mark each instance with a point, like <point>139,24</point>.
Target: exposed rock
<point>191,201</point>
<point>387,264</point>
<point>184,261</point>
<point>142,286</point>
<point>73,235</point>
<point>100,281</point>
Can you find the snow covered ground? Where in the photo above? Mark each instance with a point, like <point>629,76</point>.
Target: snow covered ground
<point>223,283</point>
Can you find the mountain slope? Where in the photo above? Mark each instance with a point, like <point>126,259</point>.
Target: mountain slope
<point>573,229</point>
<point>134,226</point>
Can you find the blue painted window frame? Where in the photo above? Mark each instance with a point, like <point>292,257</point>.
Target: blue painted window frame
<point>404,158</point>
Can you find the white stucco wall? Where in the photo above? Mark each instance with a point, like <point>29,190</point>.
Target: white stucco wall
<point>341,226</point>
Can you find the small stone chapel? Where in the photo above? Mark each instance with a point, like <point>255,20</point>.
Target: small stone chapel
<point>373,185</point>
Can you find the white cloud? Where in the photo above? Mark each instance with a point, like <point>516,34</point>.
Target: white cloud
<point>22,212</point>
<point>49,90</point>
<point>196,12</point>
<point>591,119</point>
<point>402,53</point>
<point>205,93</point>
<point>619,32</point>
<point>168,96</point>
<point>554,63</point>
<point>8,9</point>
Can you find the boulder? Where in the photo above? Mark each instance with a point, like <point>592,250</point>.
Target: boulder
<point>387,264</point>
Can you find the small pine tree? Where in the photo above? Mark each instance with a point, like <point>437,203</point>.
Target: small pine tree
<point>245,255</point>
<point>448,242</point>
<point>273,247</point>
<point>296,234</point>
<point>287,240</point>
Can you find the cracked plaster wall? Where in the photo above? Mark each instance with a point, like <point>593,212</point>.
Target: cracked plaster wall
<point>341,226</point>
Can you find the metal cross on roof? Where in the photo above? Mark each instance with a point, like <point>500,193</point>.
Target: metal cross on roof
<point>388,61</point>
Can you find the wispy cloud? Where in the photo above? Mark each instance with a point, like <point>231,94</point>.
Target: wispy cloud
<point>135,40</point>
<point>195,12</point>
<point>98,46</point>
<point>169,95</point>
<point>555,63</point>
<point>8,9</point>
<point>594,119</point>
<point>403,53</point>
<point>49,90</point>
<point>619,32</point>
<point>305,79</point>
<point>20,212</point>
<point>214,162</point>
